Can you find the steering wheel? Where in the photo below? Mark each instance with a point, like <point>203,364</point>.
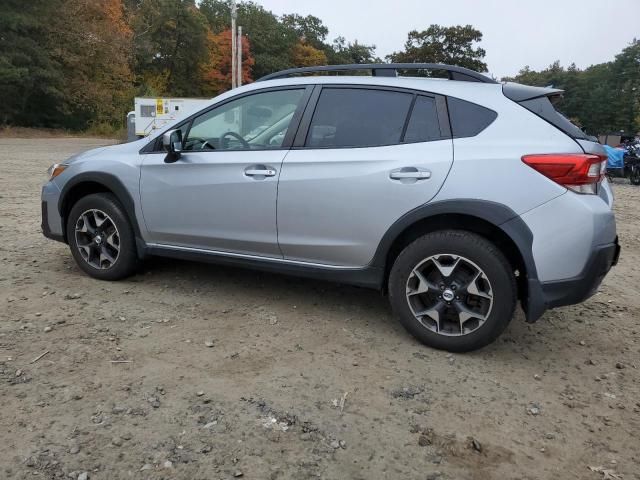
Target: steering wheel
<point>205,143</point>
<point>223,139</point>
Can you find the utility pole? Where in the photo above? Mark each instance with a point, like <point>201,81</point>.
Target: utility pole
<point>234,73</point>
<point>239,61</point>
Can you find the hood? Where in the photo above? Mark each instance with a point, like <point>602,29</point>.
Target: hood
<point>97,152</point>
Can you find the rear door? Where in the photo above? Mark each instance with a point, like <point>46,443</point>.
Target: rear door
<point>363,157</point>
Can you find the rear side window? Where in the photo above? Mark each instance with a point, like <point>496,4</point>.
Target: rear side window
<point>541,101</point>
<point>356,117</point>
<point>423,124</point>
<point>468,119</point>
<point>543,107</point>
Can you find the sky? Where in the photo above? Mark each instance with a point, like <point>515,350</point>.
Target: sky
<point>515,32</point>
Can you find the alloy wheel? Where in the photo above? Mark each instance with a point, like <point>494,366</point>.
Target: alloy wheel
<point>97,239</point>
<point>449,294</point>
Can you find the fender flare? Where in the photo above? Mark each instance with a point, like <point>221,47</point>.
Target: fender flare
<point>115,185</point>
<point>497,214</point>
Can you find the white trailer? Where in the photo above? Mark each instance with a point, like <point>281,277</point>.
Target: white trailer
<point>153,113</point>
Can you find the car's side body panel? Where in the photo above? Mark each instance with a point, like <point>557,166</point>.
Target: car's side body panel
<point>205,200</point>
<point>335,205</point>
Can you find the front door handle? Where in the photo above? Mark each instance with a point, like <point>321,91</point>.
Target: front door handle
<point>259,171</point>
<point>410,173</point>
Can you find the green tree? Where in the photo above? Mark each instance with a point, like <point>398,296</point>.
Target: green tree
<point>30,80</point>
<point>170,45</point>
<point>341,52</point>
<point>603,98</point>
<point>449,45</point>
<point>309,29</point>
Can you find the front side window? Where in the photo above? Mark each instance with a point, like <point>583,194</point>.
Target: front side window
<point>357,117</point>
<point>254,122</point>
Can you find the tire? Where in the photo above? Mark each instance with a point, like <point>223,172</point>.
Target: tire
<point>478,298</point>
<point>113,255</point>
<point>634,176</point>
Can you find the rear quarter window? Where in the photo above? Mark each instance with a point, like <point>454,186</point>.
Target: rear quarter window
<point>468,119</point>
<point>543,108</point>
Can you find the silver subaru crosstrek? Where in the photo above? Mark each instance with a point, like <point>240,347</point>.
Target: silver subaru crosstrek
<point>457,196</point>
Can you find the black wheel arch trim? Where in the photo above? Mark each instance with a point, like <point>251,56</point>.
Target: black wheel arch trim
<point>494,213</point>
<point>113,184</point>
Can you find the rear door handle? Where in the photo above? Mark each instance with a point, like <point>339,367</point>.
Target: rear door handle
<point>259,171</point>
<point>412,173</point>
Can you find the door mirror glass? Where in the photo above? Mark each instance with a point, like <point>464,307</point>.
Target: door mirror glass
<point>172,141</point>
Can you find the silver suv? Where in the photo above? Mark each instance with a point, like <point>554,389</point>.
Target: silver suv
<point>457,196</point>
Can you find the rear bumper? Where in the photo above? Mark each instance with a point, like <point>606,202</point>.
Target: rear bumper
<point>583,286</point>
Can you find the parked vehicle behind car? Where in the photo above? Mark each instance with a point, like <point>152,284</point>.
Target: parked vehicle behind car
<point>624,162</point>
<point>457,197</point>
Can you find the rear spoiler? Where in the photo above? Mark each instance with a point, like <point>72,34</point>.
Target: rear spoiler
<point>520,93</point>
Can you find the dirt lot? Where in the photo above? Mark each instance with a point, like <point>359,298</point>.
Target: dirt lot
<point>192,371</point>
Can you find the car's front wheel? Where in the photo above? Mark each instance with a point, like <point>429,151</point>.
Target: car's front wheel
<point>453,290</point>
<point>100,237</point>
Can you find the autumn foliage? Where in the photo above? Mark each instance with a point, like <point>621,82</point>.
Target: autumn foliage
<point>79,63</point>
<point>216,73</point>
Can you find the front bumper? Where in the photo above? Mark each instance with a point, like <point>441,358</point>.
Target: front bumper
<point>578,289</point>
<point>51,221</point>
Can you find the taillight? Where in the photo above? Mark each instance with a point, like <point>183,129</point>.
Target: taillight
<point>577,171</point>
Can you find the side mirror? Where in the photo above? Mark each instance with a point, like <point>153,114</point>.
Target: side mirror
<point>172,143</point>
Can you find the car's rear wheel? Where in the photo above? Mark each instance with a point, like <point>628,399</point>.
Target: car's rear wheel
<point>453,290</point>
<point>100,237</point>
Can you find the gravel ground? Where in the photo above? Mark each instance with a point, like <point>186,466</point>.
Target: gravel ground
<point>192,371</point>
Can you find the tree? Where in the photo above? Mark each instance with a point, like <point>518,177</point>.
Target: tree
<point>271,40</point>
<point>30,80</point>
<point>92,45</point>
<point>603,98</point>
<point>216,73</point>
<point>304,55</point>
<point>171,42</point>
<point>342,52</point>
<point>309,29</point>
<point>448,45</point>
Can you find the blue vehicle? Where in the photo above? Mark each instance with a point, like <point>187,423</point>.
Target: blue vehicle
<point>624,162</point>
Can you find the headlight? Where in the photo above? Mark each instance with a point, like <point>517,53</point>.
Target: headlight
<point>56,169</point>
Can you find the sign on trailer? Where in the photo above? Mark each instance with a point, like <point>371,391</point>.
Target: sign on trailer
<point>154,113</point>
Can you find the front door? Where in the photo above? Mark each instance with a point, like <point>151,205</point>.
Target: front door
<point>221,193</point>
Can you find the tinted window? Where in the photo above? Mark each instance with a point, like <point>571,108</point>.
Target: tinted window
<point>351,117</point>
<point>544,108</point>
<point>423,125</point>
<point>255,121</point>
<point>468,119</point>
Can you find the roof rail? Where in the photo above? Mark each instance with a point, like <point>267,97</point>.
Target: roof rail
<point>387,70</point>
